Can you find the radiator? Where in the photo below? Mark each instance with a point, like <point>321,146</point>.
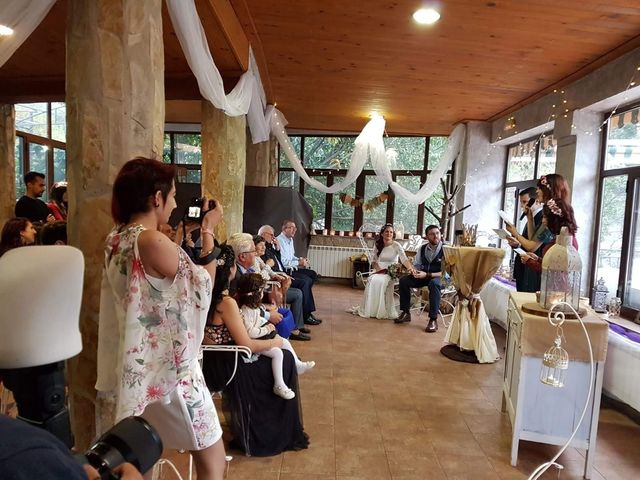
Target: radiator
<point>330,261</point>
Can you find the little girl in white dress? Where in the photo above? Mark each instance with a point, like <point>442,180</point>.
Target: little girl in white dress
<point>249,293</point>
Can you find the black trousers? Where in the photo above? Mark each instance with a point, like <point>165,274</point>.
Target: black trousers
<point>435,293</point>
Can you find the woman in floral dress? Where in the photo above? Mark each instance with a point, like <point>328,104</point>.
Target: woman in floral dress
<point>153,308</point>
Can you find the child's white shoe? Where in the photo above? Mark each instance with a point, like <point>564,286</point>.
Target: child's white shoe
<point>304,366</point>
<point>284,392</point>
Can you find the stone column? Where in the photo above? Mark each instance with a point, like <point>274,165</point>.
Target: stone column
<point>480,171</point>
<point>115,111</point>
<point>224,161</point>
<point>262,163</point>
<point>578,161</point>
<point>7,162</point>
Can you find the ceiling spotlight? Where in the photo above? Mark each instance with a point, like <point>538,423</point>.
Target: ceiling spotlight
<point>5,31</point>
<point>426,16</point>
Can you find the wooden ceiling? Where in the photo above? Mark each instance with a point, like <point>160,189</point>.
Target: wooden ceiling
<point>329,63</point>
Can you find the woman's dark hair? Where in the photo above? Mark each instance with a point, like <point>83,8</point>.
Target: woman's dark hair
<point>554,186</point>
<point>57,192</point>
<point>248,290</point>
<point>258,239</point>
<point>54,232</point>
<point>380,241</point>
<point>10,237</point>
<point>559,214</point>
<point>136,184</point>
<point>225,260</point>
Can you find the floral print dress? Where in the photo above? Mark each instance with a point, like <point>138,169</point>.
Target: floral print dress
<point>149,338</point>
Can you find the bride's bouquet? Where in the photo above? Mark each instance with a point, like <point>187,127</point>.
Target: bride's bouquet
<point>397,270</point>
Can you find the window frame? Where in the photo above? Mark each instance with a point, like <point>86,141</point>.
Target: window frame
<point>172,153</point>
<point>50,143</point>
<point>633,174</point>
<point>522,184</point>
<point>331,175</point>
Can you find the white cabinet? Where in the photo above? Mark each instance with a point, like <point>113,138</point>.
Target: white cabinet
<point>539,412</point>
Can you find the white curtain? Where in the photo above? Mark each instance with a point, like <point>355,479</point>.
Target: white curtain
<point>23,16</point>
<point>372,130</point>
<point>380,162</point>
<point>370,143</point>
<point>247,97</point>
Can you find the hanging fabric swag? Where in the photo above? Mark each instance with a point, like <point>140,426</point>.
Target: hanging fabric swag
<point>248,98</point>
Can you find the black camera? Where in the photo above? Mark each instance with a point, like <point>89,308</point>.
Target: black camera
<point>131,440</point>
<point>195,211</point>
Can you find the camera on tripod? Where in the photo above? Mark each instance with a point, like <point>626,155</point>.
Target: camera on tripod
<point>195,210</point>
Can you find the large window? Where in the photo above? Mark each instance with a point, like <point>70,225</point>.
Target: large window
<point>526,162</point>
<point>185,151</point>
<point>41,132</point>
<point>326,159</point>
<point>617,258</point>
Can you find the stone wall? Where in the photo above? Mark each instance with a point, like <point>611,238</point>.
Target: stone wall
<point>7,162</point>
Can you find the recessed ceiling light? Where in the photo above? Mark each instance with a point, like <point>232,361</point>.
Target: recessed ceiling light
<point>426,16</point>
<point>5,31</point>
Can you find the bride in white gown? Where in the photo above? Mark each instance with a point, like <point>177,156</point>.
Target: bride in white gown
<point>378,301</point>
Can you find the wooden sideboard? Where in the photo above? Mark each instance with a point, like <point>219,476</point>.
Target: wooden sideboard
<point>539,412</point>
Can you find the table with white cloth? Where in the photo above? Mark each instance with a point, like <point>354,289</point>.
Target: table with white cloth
<point>495,297</point>
<point>471,268</point>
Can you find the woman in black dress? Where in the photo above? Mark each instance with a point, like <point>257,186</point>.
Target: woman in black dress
<point>262,423</point>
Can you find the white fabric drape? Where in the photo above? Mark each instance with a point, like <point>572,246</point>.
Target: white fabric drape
<point>380,163</point>
<point>246,98</point>
<point>23,16</point>
<point>370,143</point>
<point>372,130</point>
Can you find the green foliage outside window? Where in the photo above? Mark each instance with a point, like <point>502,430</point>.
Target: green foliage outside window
<point>328,152</point>
<point>410,152</point>
<point>283,161</point>
<point>342,215</point>
<point>316,200</point>
<point>437,147</point>
<point>19,175</point>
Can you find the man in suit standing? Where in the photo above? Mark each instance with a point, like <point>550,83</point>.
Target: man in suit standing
<point>527,280</point>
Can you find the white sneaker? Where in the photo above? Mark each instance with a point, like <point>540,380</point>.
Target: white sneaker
<point>304,366</point>
<point>284,392</point>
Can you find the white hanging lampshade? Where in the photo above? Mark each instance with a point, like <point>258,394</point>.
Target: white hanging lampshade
<point>561,273</point>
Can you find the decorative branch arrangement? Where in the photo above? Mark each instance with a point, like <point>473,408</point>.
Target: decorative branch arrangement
<point>448,207</point>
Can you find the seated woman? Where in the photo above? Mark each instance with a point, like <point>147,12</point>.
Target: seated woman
<point>262,423</point>
<point>277,294</point>
<point>378,295</point>
<point>17,232</point>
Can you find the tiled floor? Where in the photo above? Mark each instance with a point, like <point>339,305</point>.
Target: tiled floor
<point>383,403</point>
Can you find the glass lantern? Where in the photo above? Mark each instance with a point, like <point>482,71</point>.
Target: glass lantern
<point>599,296</point>
<point>561,273</point>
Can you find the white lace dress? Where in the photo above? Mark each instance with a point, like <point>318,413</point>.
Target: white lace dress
<point>378,301</point>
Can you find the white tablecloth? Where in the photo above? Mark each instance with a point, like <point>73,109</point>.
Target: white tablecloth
<point>495,296</point>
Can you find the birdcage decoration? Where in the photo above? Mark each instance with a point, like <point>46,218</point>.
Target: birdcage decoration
<point>561,273</point>
<point>599,296</point>
<point>555,363</point>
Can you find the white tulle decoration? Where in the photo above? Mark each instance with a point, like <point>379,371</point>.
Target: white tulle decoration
<point>392,158</point>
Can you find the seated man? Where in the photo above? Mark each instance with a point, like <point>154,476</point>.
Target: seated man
<point>273,258</point>
<point>245,251</point>
<point>427,272</point>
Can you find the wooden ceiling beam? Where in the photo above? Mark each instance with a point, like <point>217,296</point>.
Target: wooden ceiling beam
<point>230,26</point>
